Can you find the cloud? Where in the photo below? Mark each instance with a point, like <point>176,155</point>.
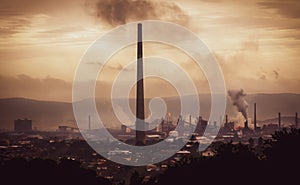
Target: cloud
<point>276,74</point>
<point>48,88</point>
<point>116,67</point>
<point>246,69</point>
<point>250,45</point>
<point>12,26</point>
<point>117,12</point>
<point>41,18</point>
<point>31,7</point>
<point>25,86</point>
<point>287,8</point>
<point>269,75</point>
<point>237,63</point>
<point>269,15</point>
<point>263,77</point>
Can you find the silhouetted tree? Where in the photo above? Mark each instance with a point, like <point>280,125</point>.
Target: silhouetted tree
<point>238,164</point>
<point>283,155</point>
<point>40,171</point>
<point>136,179</point>
<point>251,142</point>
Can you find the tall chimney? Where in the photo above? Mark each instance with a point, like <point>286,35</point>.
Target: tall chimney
<point>296,120</point>
<point>140,112</point>
<point>89,122</point>
<point>226,119</point>
<point>279,119</point>
<point>255,126</point>
<point>246,124</point>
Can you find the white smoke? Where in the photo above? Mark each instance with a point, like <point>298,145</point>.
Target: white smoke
<point>238,99</point>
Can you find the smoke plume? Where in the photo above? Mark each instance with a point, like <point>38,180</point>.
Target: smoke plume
<point>117,12</point>
<point>238,100</point>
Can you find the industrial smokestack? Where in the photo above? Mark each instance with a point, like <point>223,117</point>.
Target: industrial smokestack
<point>226,119</point>
<point>255,126</point>
<point>279,119</point>
<point>89,122</point>
<point>246,124</point>
<point>140,112</point>
<point>296,120</point>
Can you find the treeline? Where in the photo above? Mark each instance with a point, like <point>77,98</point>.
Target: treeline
<point>272,161</point>
<point>47,172</point>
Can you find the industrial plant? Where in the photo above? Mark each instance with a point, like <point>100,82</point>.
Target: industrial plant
<point>228,132</point>
<point>66,142</point>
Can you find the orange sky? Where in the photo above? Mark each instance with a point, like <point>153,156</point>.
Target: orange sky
<point>257,43</point>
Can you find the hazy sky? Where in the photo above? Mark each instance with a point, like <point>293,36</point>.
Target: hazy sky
<point>257,42</point>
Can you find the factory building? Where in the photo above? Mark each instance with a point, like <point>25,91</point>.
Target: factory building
<point>23,125</point>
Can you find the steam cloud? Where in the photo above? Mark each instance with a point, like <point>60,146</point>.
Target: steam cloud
<point>116,12</point>
<point>238,100</point>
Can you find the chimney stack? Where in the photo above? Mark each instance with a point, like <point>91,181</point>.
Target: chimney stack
<point>140,112</point>
<point>89,122</point>
<point>296,120</point>
<point>226,119</point>
<point>255,126</point>
<point>246,124</point>
<point>279,119</point>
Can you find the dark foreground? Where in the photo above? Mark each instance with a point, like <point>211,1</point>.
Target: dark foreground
<point>274,161</point>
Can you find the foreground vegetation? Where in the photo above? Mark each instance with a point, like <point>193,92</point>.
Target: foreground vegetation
<point>272,161</point>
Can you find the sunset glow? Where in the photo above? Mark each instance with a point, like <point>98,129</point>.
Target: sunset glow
<point>256,43</point>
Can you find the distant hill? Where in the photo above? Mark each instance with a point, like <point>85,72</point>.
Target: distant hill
<point>268,105</point>
<point>286,121</point>
<point>44,114</point>
<point>48,115</point>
